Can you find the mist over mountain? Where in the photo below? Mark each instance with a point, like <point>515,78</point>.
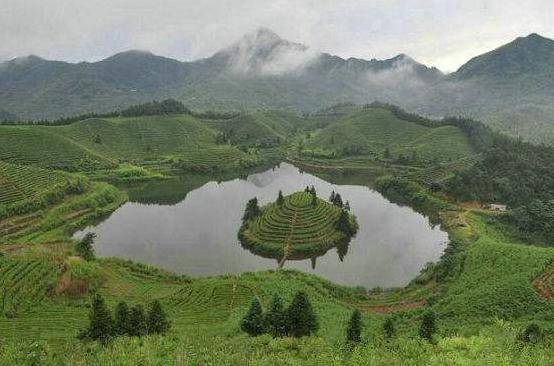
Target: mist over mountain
<point>510,88</point>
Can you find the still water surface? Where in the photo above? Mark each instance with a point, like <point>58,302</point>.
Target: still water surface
<point>194,231</point>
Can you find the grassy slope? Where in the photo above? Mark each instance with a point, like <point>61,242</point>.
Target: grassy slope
<point>371,131</point>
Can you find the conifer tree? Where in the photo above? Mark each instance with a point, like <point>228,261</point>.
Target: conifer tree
<point>347,206</point>
<point>253,322</point>
<point>354,330</point>
<point>252,209</point>
<point>388,328</point>
<point>84,247</point>
<point>314,200</point>
<point>276,317</point>
<point>343,224</point>
<point>157,320</point>
<point>302,320</point>
<point>100,320</point>
<point>121,319</point>
<point>332,197</point>
<point>138,325</point>
<point>428,326</point>
<point>280,199</point>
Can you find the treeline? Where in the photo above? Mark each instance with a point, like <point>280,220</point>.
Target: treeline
<point>510,171</point>
<point>154,108</point>
<point>164,107</point>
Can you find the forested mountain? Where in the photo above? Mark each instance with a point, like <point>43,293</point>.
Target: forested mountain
<point>262,70</point>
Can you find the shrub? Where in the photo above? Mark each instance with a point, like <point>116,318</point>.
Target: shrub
<point>157,320</point>
<point>354,330</point>
<point>531,334</point>
<point>428,326</point>
<point>84,247</point>
<point>388,328</point>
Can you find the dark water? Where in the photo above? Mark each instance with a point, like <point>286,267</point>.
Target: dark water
<point>194,231</point>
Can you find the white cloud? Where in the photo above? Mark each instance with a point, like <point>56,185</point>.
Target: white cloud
<point>444,33</point>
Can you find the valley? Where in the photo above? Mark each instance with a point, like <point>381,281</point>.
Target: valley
<point>165,195</point>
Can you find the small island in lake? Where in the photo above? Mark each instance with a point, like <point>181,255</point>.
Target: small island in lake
<point>298,226</point>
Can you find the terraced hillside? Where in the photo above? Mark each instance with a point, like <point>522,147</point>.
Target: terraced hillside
<point>45,147</point>
<point>94,144</point>
<point>19,183</point>
<point>377,132</point>
<point>295,229</point>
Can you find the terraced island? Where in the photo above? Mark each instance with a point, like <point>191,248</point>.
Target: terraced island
<point>298,226</point>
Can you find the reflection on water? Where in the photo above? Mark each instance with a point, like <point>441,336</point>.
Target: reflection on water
<point>189,225</point>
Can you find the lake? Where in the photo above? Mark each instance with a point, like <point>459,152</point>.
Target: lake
<point>189,226</point>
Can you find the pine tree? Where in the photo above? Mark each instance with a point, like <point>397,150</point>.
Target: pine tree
<point>388,328</point>
<point>157,320</point>
<point>138,326</point>
<point>280,199</point>
<point>428,327</point>
<point>343,224</point>
<point>354,330</point>
<point>301,318</point>
<point>332,197</point>
<point>121,319</point>
<point>100,320</point>
<point>338,200</point>
<point>84,247</point>
<point>276,317</point>
<point>253,322</point>
<point>252,210</point>
<point>314,200</point>
<point>307,190</point>
<point>347,206</point>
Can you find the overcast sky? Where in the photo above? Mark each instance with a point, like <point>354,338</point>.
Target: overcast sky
<point>442,33</point>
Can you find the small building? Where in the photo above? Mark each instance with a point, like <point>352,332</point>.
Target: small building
<point>497,207</point>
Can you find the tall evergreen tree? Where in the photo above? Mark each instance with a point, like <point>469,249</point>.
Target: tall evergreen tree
<point>138,325</point>
<point>253,322</point>
<point>276,317</point>
<point>252,210</point>
<point>428,325</point>
<point>302,320</point>
<point>354,330</point>
<point>338,200</point>
<point>121,319</point>
<point>280,199</point>
<point>157,320</point>
<point>314,200</point>
<point>347,206</point>
<point>332,197</point>
<point>388,328</point>
<point>84,247</point>
<point>343,224</point>
<point>100,320</point>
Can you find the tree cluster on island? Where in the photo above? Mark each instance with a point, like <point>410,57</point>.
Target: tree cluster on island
<point>127,321</point>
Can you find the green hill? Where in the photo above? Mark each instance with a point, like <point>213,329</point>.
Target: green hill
<point>295,229</point>
<point>374,130</point>
<point>91,144</point>
<point>262,128</point>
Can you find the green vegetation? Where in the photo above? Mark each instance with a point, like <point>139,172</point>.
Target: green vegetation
<point>374,131</point>
<point>491,292</point>
<point>303,226</point>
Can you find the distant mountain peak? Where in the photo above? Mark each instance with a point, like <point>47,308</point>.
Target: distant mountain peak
<point>524,55</point>
<point>262,51</point>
